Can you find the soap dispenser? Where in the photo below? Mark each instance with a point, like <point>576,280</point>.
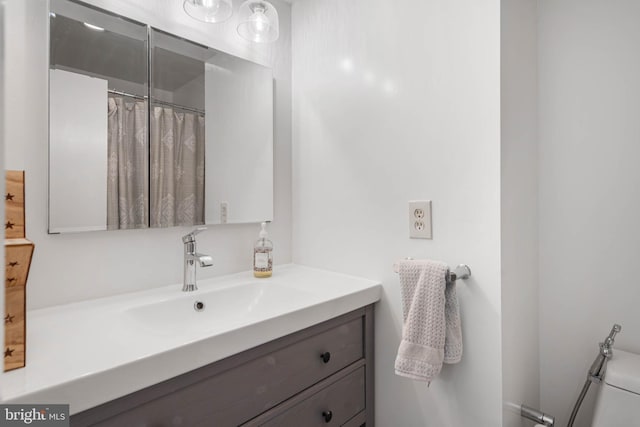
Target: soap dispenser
<point>263,254</point>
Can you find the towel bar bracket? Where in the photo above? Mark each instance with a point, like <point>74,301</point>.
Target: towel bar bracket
<point>462,271</point>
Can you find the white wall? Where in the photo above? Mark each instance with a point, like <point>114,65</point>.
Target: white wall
<point>74,267</point>
<point>589,192</point>
<point>77,152</point>
<point>238,166</point>
<point>519,208</point>
<point>396,101</point>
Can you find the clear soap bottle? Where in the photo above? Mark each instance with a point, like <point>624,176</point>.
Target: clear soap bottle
<point>263,254</point>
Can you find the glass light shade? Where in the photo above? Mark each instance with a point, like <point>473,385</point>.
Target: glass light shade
<point>258,21</point>
<point>209,10</point>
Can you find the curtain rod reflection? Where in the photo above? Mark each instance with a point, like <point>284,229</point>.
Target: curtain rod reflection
<point>155,101</point>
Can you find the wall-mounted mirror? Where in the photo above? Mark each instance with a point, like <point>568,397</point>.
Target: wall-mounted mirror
<point>151,130</point>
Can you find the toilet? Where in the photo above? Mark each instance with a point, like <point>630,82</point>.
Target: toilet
<point>618,401</point>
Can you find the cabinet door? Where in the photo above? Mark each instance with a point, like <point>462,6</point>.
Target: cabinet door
<point>357,421</point>
<point>335,405</point>
<point>236,395</point>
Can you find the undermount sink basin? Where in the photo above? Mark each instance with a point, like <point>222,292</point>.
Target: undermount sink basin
<point>213,309</point>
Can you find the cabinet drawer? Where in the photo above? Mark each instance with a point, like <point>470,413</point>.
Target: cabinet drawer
<point>335,405</point>
<point>245,391</point>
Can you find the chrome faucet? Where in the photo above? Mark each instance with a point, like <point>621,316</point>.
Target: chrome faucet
<point>190,259</point>
<point>597,370</point>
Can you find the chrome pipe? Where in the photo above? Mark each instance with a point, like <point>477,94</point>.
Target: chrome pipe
<point>576,407</point>
<point>537,416</point>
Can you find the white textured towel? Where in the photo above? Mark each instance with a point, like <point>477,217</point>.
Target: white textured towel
<point>431,333</point>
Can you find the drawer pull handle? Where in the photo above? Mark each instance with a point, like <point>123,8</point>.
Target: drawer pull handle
<point>327,415</point>
<point>326,356</point>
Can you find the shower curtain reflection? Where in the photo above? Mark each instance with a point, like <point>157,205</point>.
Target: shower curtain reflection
<point>177,167</point>
<point>173,193</point>
<point>128,159</point>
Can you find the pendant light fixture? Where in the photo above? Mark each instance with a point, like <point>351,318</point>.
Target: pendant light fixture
<point>258,21</point>
<point>209,10</point>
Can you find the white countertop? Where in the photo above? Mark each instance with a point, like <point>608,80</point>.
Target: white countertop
<point>91,352</point>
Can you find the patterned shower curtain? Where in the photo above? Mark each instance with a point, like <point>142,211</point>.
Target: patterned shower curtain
<point>127,183</point>
<point>177,167</point>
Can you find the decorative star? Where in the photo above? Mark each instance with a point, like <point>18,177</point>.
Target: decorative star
<point>13,264</point>
<point>11,279</point>
<point>8,352</point>
<point>9,196</point>
<point>8,318</point>
<point>8,225</point>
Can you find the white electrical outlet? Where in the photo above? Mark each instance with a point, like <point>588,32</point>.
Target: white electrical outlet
<point>224,212</point>
<point>420,219</point>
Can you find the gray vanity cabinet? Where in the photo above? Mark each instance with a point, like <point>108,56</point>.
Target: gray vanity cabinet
<point>320,376</point>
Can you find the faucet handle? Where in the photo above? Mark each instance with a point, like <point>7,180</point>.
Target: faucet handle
<point>191,237</point>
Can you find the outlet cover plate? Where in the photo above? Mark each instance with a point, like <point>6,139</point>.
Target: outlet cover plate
<point>420,219</point>
<point>224,211</point>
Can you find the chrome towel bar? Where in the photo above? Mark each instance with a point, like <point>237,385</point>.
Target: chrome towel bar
<point>462,271</point>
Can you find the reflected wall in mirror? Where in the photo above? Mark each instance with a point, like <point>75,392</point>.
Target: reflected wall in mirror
<point>188,141</point>
<point>98,153</point>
